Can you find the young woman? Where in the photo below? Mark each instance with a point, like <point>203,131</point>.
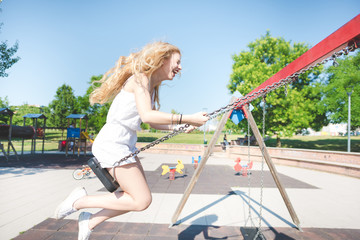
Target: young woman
<point>133,87</point>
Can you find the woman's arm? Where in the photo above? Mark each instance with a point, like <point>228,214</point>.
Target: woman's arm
<point>140,87</point>
<point>162,127</point>
<point>172,127</point>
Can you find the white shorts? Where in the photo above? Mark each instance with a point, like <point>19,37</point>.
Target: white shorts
<point>114,142</point>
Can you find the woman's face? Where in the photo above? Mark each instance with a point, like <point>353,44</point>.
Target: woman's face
<point>171,66</point>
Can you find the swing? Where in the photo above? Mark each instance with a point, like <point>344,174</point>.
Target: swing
<point>259,233</point>
<point>249,179</point>
<point>341,42</point>
<point>249,233</point>
<point>103,174</point>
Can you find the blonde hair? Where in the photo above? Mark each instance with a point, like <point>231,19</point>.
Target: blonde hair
<point>145,61</point>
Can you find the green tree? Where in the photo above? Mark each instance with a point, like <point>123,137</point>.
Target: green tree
<point>97,113</point>
<point>285,115</point>
<point>63,105</point>
<point>6,55</point>
<point>341,79</point>
<point>4,103</point>
<point>21,111</point>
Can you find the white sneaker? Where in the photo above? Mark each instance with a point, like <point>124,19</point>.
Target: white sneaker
<point>84,231</point>
<point>66,207</point>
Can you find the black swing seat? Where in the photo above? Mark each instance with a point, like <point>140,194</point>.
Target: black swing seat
<point>103,175</point>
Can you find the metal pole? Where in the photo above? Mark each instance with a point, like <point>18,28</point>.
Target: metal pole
<point>204,133</point>
<point>349,121</point>
<point>205,110</point>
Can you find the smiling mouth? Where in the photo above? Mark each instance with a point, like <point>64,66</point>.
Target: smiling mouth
<point>175,71</point>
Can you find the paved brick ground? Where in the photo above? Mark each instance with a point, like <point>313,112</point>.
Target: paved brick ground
<point>52,229</point>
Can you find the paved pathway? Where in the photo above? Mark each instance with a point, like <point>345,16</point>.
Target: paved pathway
<point>326,204</point>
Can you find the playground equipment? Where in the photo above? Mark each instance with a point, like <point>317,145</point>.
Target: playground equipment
<point>171,170</point>
<point>7,133</point>
<point>17,131</point>
<point>196,162</point>
<point>341,42</point>
<point>242,169</point>
<point>38,133</point>
<point>86,135</point>
<point>74,135</point>
<point>10,131</point>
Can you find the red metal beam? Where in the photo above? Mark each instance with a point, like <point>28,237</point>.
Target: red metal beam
<point>344,36</point>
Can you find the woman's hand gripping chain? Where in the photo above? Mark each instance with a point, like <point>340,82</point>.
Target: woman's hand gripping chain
<point>197,120</point>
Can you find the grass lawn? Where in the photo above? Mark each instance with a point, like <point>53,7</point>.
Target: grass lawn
<point>330,143</point>
<point>306,142</point>
<point>193,138</point>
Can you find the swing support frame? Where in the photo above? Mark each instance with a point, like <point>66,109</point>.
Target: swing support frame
<point>341,42</point>
<point>266,156</point>
<point>271,166</point>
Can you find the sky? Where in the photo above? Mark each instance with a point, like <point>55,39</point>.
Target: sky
<point>67,42</point>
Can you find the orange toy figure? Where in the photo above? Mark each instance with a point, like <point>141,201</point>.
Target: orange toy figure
<point>196,162</point>
<point>237,166</point>
<point>242,170</point>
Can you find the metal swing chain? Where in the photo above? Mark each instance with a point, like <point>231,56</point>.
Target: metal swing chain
<point>242,101</point>
<point>262,172</point>
<point>249,179</point>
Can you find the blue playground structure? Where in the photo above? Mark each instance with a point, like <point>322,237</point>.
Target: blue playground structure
<point>76,137</point>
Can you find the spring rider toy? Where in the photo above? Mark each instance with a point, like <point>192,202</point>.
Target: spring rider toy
<point>242,169</point>
<point>196,162</point>
<point>171,170</point>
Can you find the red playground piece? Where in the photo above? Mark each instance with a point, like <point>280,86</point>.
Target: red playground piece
<point>196,162</point>
<point>242,170</point>
<point>172,173</point>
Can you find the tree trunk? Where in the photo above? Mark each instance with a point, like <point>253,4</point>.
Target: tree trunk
<point>278,142</point>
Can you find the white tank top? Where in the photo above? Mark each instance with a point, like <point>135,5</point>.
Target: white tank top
<point>117,138</point>
<point>123,111</point>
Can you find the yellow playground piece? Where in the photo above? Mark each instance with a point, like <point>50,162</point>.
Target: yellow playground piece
<point>86,135</point>
<point>179,167</point>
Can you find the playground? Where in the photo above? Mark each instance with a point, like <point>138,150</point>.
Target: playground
<point>211,196</point>
<point>77,137</point>
<point>218,207</point>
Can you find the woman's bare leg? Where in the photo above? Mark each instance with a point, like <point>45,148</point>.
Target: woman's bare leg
<point>136,195</point>
<point>102,216</point>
